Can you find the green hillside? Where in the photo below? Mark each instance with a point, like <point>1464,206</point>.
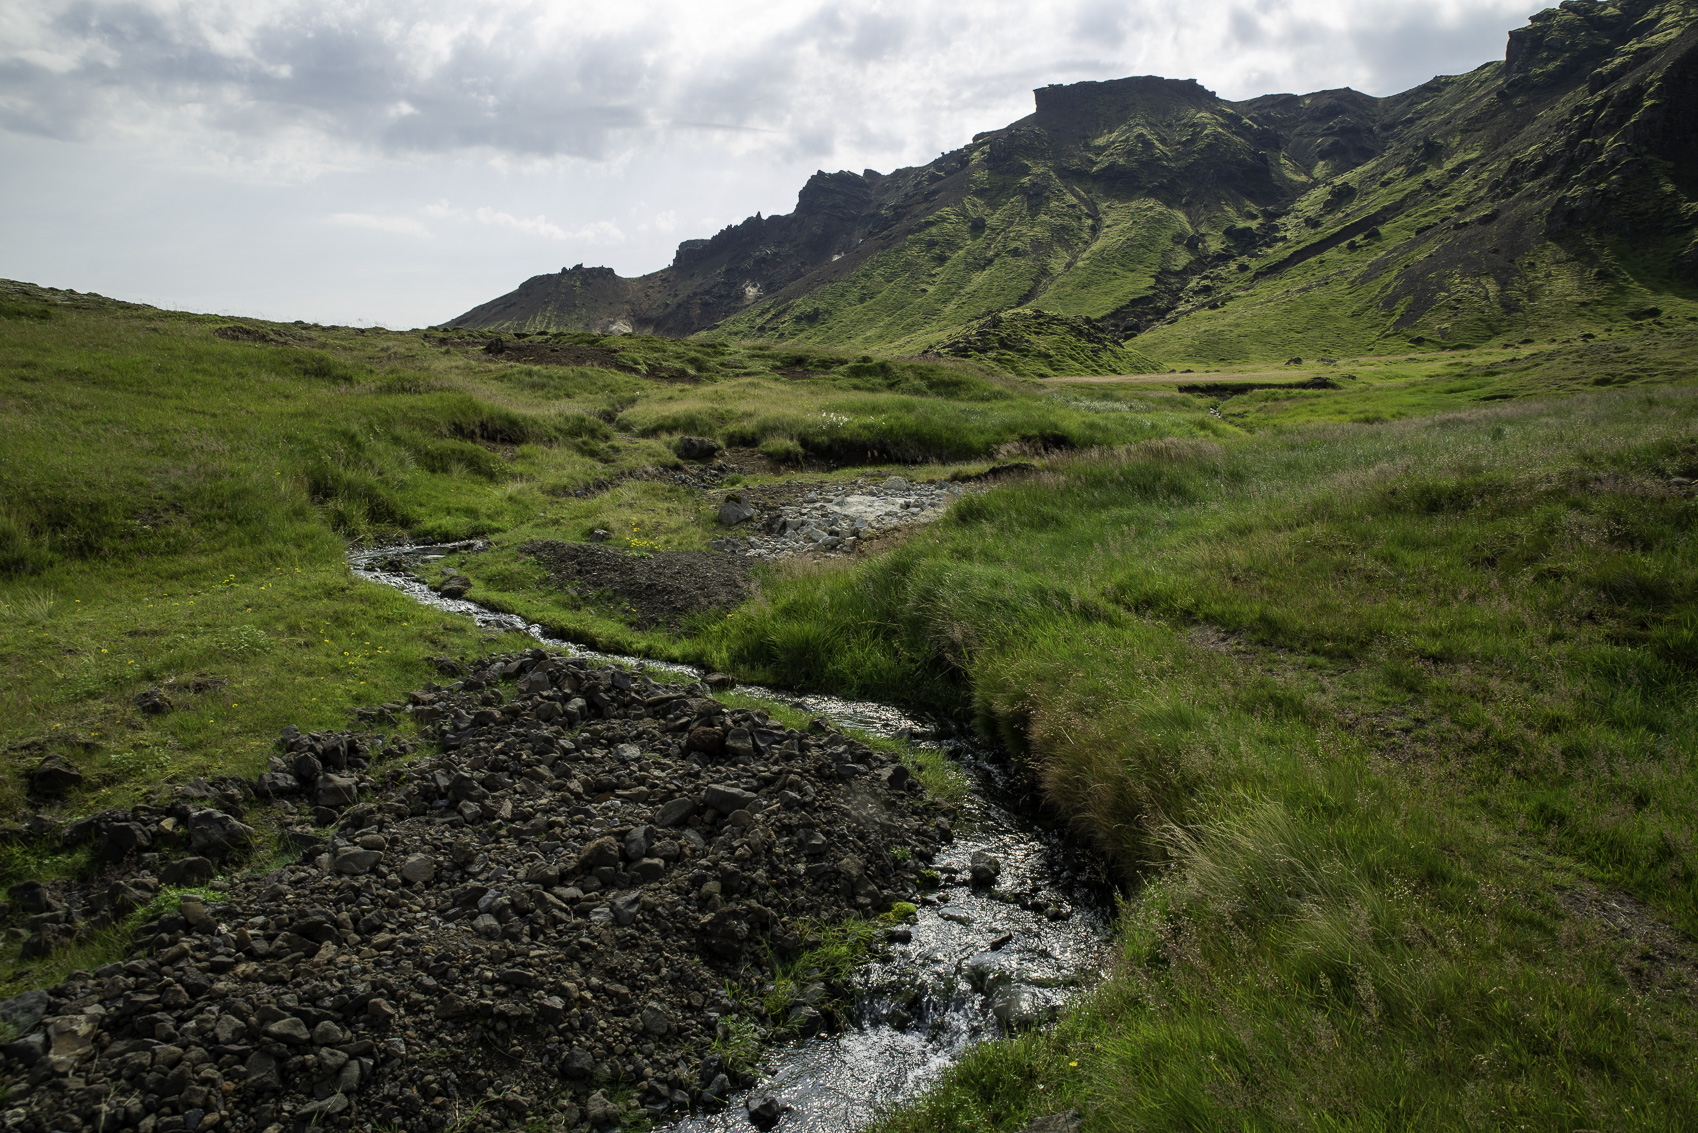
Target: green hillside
<point>1552,193</point>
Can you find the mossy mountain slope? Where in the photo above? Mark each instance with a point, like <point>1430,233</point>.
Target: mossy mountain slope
<point>1557,186</point>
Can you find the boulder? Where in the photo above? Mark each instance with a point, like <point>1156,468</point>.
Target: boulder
<point>1018,1007</point>
<point>21,1013</point>
<point>275,783</point>
<point>188,871</point>
<point>655,1020</point>
<point>71,1039</point>
<point>675,813</point>
<point>732,511</point>
<point>984,868</point>
<point>601,1110</point>
<point>122,839</point>
<point>214,834</point>
<point>625,907</point>
<point>696,448</point>
<point>708,741</point>
<point>726,799</point>
<point>288,1030</point>
<point>765,1112</point>
<point>988,972</point>
<point>153,702</point>
<point>26,1051</point>
<point>357,861</point>
<point>452,1006</point>
<point>338,791</point>
<point>54,776</point>
<point>578,1063</point>
<point>603,851</point>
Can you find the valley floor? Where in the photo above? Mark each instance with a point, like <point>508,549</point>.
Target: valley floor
<point>1377,695</point>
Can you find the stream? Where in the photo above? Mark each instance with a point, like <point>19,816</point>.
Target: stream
<point>979,961</point>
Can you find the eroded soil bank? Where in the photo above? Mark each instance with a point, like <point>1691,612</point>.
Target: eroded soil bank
<point>661,587</point>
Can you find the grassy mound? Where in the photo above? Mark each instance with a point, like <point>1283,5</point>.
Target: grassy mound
<point>1038,344</point>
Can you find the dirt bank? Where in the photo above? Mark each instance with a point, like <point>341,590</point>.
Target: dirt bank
<point>662,587</point>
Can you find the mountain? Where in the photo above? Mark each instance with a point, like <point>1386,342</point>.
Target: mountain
<point>1553,190</point>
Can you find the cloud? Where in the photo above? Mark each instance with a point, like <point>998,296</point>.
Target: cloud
<point>596,233</point>
<point>315,86</point>
<point>531,226</point>
<point>599,232</point>
<point>1100,22</point>
<point>399,225</point>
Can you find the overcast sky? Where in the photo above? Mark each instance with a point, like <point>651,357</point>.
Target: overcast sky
<point>374,161</point>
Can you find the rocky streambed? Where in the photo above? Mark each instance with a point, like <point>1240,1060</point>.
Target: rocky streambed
<point>833,523</point>
<point>589,896</point>
<point>975,961</point>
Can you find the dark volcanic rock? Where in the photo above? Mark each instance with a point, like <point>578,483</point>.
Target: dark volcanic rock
<point>54,776</point>
<point>697,448</point>
<point>188,871</point>
<point>539,916</point>
<point>153,702</point>
<point>214,834</point>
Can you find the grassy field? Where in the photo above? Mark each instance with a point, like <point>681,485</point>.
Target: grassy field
<point>1380,698</point>
<point>1384,715</point>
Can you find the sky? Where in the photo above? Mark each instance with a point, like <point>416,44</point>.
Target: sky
<point>378,162</point>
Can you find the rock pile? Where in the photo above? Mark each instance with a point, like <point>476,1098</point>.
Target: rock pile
<point>540,919</point>
<point>836,524</point>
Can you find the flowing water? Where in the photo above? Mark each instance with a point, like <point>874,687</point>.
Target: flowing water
<point>980,960</point>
